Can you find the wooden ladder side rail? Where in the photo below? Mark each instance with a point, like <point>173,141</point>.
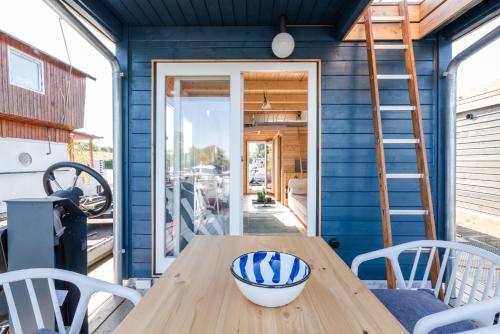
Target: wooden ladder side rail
<point>421,154</point>
<point>379,145</point>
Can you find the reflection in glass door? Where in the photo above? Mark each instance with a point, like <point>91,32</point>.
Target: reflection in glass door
<point>197,119</point>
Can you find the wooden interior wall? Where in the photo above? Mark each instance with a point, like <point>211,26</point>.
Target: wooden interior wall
<point>50,107</point>
<point>286,93</point>
<point>293,146</point>
<point>13,129</point>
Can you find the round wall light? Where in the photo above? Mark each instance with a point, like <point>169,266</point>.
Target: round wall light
<point>283,43</point>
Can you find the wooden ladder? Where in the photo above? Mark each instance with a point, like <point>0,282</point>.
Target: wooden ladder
<point>418,140</point>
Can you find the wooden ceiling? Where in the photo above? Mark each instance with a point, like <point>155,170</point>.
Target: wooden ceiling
<point>426,16</point>
<point>267,133</point>
<point>285,91</point>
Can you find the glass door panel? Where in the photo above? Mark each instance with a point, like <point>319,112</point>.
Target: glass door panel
<point>197,161</point>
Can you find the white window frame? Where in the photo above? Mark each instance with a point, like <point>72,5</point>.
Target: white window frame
<point>41,73</point>
<point>232,70</point>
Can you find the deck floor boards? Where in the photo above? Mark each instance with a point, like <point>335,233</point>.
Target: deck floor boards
<point>109,316</point>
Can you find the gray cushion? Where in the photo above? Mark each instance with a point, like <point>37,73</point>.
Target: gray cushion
<point>409,306</point>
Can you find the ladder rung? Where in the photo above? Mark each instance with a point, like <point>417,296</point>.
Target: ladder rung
<point>397,108</point>
<point>408,212</point>
<point>390,46</point>
<point>393,76</point>
<point>387,18</point>
<point>404,176</point>
<point>401,141</point>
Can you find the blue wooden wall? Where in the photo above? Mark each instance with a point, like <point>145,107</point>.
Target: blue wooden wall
<point>349,196</point>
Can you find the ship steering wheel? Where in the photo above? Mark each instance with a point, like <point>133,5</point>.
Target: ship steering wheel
<point>92,205</point>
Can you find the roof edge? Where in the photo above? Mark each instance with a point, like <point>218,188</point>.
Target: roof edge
<point>38,50</point>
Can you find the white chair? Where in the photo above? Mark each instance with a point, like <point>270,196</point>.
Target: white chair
<point>482,303</point>
<point>480,312</point>
<point>86,285</point>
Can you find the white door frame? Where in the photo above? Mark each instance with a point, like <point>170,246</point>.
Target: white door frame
<point>232,70</point>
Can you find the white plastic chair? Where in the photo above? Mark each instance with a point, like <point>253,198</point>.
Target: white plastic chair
<point>480,312</point>
<point>86,285</point>
<point>483,311</point>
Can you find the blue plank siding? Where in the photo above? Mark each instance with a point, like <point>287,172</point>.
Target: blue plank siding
<point>349,198</point>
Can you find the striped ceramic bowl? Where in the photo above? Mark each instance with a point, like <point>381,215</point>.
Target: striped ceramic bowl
<point>270,278</point>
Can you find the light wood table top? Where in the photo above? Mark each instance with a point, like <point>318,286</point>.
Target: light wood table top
<point>197,294</point>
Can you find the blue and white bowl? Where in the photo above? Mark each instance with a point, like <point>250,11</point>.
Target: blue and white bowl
<point>270,278</point>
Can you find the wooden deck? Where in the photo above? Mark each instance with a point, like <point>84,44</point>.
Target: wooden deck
<point>107,317</point>
<point>105,311</point>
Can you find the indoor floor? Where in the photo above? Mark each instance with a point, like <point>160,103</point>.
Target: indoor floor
<point>273,220</point>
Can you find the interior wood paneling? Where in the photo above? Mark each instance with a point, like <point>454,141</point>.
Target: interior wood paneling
<point>293,146</point>
<point>285,91</point>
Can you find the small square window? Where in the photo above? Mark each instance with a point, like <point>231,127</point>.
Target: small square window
<point>25,71</point>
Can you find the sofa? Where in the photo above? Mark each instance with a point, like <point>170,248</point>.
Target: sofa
<point>297,198</point>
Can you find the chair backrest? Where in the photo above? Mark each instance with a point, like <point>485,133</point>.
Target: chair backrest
<point>86,285</point>
<point>477,264</point>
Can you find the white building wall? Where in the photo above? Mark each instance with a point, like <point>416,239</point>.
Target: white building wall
<point>18,180</point>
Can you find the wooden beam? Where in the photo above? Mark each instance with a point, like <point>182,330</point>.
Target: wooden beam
<point>475,17</point>
<point>445,13</point>
<point>427,6</point>
<point>424,18</point>
<point>32,121</point>
<point>274,130</point>
<point>393,10</point>
<point>276,106</point>
<point>276,98</point>
<point>91,151</point>
<point>382,31</point>
<point>274,86</point>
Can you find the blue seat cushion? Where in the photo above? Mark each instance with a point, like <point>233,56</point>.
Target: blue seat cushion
<point>409,306</point>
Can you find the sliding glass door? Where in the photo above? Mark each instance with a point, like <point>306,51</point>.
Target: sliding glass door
<point>198,151</point>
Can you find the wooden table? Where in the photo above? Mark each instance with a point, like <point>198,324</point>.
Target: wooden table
<point>197,294</point>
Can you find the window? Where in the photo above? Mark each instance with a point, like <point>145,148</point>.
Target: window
<point>25,71</point>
